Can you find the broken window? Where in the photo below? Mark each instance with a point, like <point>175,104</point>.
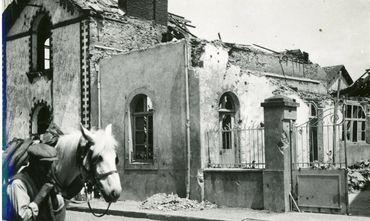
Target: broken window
<point>41,43</point>
<point>227,119</point>
<point>355,122</point>
<point>313,110</point>
<point>142,128</point>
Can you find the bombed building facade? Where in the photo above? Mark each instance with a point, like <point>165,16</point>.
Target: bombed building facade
<point>171,97</point>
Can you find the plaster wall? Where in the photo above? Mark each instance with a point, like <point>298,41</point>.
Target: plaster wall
<point>117,38</point>
<point>67,77</point>
<point>357,152</point>
<point>217,76</point>
<point>234,188</point>
<point>159,73</point>
<point>63,92</point>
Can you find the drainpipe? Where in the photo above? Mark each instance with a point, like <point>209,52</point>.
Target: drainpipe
<point>99,94</point>
<point>187,118</point>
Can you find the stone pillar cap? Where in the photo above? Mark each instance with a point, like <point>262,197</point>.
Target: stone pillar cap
<point>279,101</point>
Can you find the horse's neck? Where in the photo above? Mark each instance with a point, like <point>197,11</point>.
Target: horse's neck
<point>66,169</point>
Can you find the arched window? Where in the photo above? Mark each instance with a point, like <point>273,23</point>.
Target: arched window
<point>313,132</point>
<point>41,43</point>
<point>41,119</point>
<point>313,110</point>
<point>227,110</point>
<point>142,128</point>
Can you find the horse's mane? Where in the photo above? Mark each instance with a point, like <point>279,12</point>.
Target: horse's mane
<point>69,142</point>
<point>103,141</point>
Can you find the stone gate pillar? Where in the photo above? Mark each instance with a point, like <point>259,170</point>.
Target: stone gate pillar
<point>278,112</point>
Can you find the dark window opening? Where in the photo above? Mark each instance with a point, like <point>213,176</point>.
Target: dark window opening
<point>41,43</point>
<point>227,118</point>
<point>142,127</point>
<point>313,124</point>
<point>41,119</point>
<point>356,123</point>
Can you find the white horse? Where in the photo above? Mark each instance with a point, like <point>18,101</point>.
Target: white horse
<point>91,154</point>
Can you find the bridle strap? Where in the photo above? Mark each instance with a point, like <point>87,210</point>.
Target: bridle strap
<point>91,209</point>
<point>104,175</point>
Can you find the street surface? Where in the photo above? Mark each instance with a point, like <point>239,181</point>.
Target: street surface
<point>82,216</point>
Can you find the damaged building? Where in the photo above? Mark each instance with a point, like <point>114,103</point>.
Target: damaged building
<point>181,107</point>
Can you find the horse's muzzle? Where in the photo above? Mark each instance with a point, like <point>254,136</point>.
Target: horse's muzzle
<point>114,196</point>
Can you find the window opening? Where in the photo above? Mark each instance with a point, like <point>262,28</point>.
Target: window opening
<point>41,119</point>
<point>313,123</point>
<point>227,118</point>
<point>142,127</point>
<point>355,122</point>
<point>41,43</point>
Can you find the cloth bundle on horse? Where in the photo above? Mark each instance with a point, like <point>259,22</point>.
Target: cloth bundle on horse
<point>83,157</point>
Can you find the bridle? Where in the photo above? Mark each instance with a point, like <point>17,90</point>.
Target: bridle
<point>87,164</point>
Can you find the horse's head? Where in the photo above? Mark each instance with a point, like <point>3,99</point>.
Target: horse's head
<point>101,162</point>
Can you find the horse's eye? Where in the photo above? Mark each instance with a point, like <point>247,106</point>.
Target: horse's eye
<point>117,160</point>
<point>98,159</point>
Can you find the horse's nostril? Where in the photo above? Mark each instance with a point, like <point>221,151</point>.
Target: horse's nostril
<point>114,195</point>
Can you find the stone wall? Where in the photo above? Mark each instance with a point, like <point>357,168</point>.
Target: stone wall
<point>63,92</point>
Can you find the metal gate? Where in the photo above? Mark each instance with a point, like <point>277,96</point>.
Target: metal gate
<point>319,175</point>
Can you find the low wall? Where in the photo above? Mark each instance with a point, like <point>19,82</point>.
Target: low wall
<point>234,187</point>
<point>357,152</point>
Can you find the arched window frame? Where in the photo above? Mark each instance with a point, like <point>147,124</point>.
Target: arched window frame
<point>145,115</point>
<point>313,109</point>
<point>41,62</point>
<point>313,127</point>
<point>227,114</point>
<point>34,130</point>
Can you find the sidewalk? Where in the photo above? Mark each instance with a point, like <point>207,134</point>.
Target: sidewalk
<point>131,209</point>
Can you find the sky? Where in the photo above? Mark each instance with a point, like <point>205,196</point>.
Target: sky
<point>332,31</point>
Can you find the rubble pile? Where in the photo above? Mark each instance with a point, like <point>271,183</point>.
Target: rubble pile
<point>358,175</point>
<point>172,202</point>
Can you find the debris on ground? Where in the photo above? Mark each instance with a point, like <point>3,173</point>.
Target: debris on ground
<point>172,202</point>
<point>359,175</point>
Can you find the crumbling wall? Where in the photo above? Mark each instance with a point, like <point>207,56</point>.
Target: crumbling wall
<point>217,75</point>
<point>109,38</point>
<point>253,59</point>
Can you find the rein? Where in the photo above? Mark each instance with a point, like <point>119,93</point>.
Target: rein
<point>90,176</point>
<point>91,209</point>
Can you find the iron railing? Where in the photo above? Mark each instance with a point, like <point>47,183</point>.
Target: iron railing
<point>319,146</point>
<point>236,148</point>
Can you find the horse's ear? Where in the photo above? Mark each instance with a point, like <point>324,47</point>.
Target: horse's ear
<point>108,129</point>
<point>86,133</point>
